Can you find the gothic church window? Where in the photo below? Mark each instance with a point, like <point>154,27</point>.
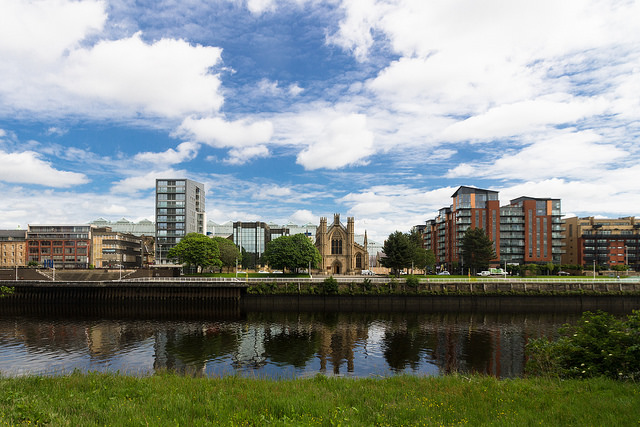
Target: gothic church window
<point>336,247</point>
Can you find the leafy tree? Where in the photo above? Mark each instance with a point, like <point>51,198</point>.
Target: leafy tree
<point>399,251</point>
<point>229,252</point>
<point>422,258</point>
<point>196,250</point>
<point>291,253</point>
<point>477,249</point>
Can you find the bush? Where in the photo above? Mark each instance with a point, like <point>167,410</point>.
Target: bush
<point>412,282</point>
<point>366,284</point>
<point>330,285</point>
<point>599,345</point>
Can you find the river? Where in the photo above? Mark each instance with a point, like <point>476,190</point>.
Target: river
<point>230,340</point>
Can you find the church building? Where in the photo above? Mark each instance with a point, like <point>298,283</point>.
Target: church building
<point>340,253</point>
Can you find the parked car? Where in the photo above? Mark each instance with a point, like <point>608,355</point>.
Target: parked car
<point>484,273</point>
<point>367,273</point>
<point>444,273</point>
<point>563,273</point>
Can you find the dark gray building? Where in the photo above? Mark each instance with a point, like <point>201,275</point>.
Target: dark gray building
<point>180,210</point>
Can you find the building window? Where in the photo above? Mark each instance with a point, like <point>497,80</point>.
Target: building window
<point>336,247</point>
<point>358,260</point>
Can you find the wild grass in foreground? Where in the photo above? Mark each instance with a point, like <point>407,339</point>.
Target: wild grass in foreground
<point>166,399</point>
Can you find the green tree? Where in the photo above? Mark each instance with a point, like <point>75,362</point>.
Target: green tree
<point>477,249</point>
<point>422,258</point>
<point>229,252</point>
<point>292,253</point>
<point>196,250</point>
<point>399,251</point>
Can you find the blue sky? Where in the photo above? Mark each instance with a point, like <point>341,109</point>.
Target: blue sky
<point>295,109</point>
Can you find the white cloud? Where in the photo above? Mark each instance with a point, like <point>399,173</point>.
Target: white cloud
<point>523,117</point>
<point>344,141</point>
<point>51,65</point>
<point>217,132</point>
<point>28,167</point>
<point>169,77</point>
<point>239,156</point>
<point>295,90</point>
<point>304,216</point>
<point>568,154</point>
<point>259,7</point>
<point>43,30</point>
<point>185,151</point>
<point>147,181</point>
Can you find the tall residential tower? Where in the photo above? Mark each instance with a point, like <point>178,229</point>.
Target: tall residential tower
<point>179,211</point>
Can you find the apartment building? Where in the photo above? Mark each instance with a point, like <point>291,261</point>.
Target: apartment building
<point>527,230</point>
<point>13,248</point>
<point>180,210</point>
<point>604,242</point>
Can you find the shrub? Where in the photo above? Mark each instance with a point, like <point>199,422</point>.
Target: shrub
<point>412,282</point>
<point>330,285</point>
<point>599,345</point>
<point>366,284</point>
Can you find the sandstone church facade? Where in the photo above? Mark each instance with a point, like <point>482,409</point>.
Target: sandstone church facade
<point>340,253</point>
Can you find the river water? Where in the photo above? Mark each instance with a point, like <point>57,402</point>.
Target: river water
<point>218,341</point>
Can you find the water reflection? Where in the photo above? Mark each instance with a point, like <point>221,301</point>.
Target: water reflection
<point>272,344</point>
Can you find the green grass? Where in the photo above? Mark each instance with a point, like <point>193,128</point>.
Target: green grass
<point>166,399</point>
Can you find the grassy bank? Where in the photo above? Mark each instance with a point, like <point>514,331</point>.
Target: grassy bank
<point>99,399</point>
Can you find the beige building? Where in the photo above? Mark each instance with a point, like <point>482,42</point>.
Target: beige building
<point>13,248</point>
<point>340,253</point>
<point>110,249</point>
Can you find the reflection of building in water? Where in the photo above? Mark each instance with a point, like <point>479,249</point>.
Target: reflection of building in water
<point>337,344</point>
<point>480,349</point>
<point>174,349</point>
<point>107,338</point>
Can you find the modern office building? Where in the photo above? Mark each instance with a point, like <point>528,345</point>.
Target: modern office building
<point>60,246</point>
<point>527,230</point>
<point>180,210</point>
<point>607,243</point>
<point>13,248</point>
<point>252,238</point>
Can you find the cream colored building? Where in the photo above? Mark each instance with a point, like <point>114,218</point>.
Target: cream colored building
<point>13,248</point>
<point>340,253</point>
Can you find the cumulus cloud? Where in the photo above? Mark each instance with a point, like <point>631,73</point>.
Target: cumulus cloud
<point>184,152</point>
<point>239,156</point>
<point>217,132</point>
<point>28,167</point>
<point>50,66</point>
<point>569,155</point>
<point>147,181</point>
<point>344,141</point>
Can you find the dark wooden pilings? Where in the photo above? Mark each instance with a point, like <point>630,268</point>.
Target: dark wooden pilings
<point>69,292</point>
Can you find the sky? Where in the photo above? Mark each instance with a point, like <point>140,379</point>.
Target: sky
<point>290,110</point>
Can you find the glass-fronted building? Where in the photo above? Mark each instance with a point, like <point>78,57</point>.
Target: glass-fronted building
<point>180,210</point>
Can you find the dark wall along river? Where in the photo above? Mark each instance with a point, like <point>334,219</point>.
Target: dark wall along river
<point>300,338</point>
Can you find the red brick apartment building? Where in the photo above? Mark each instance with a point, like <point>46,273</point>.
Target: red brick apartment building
<point>527,230</point>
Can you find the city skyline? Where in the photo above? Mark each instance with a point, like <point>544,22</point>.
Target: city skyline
<point>294,110</point>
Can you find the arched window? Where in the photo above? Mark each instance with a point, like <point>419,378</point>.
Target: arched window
<point>336,247</point>
<point>358,260</point>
